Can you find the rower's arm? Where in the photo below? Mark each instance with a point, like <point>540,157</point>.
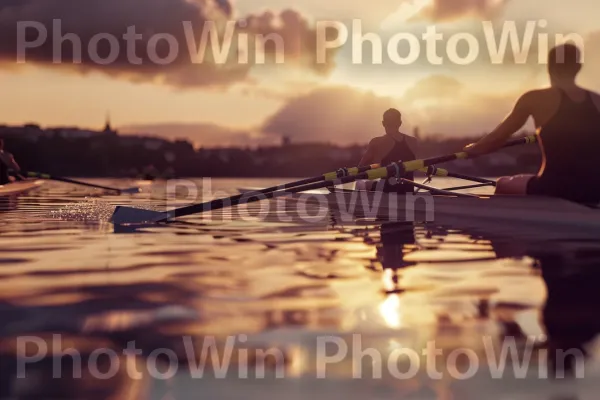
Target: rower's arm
<point>13,164</point>
<point>9,161</point>
<point>369,157</point>
<point>511,124</point>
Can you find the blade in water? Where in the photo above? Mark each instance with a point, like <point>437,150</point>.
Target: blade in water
<point>132,190</point>
<point>130,215</point>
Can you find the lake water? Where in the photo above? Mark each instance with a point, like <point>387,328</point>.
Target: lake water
<point>229,306</point>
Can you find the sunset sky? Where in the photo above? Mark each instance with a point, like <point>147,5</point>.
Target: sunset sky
<point>250,104</point>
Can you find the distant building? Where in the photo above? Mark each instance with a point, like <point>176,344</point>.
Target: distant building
<point>28,132</point>
<point>417,132</point>
<point>108,130</point>
<point>153,144</point>
<point>73,133</point>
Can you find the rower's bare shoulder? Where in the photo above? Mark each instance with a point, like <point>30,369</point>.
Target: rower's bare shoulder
<point>410,139</point>
<point>377,142</point>
<point>539,103</point>
<point>534,97</point>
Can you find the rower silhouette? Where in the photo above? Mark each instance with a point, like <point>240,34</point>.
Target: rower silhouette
<point>393,243</point>
<point>567,119</point>
<point>570,314</point>
<point>393,146</point>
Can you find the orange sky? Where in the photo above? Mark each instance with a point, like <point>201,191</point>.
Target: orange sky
<point>235,103</point>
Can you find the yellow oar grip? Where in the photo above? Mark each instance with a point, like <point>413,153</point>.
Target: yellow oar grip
<point>330,176</point>
<point>378,173</point>
<point>461,156</point>
<point>531,139</point>
<point>415,165</point>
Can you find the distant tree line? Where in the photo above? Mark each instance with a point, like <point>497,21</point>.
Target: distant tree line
<point>111,155</point>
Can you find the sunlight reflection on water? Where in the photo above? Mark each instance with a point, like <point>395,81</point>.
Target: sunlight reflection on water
<point>283,286</point>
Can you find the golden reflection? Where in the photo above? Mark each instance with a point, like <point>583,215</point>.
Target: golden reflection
<point>298,364</point>
<point>391,311</point>
<point>389,279</point>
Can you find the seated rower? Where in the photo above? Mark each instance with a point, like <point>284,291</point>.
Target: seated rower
<point>394,146</point>
<point>567,119</point>
<point>7,161</point>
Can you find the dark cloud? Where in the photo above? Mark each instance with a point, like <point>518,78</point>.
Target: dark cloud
<point>339,114</point>
<point>437,105</point>
<point>294,30</point>
<point>87,18</point>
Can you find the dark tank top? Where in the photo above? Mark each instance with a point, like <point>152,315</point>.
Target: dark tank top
<point>570,142</point>
<point>3,174</point>
<point>400,152</point>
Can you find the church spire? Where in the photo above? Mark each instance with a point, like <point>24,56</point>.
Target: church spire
<point>107,127</point>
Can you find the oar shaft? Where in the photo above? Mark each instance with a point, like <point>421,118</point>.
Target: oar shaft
<point>67,180</point>
<point>359,173</point>
<point>435,190</point>
<point>263,193</point>
<point>434,171</point>
<point>477,185</point>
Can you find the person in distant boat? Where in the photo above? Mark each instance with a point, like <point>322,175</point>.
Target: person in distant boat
<point>7,162</point>
<point>394,146</point>
<point>567,119</point>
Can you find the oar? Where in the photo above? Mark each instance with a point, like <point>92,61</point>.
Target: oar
<point>434,190</point>
<point>129,215</point>
<point>477,185</point>
<point>435,171</point>
<point>40,175</point>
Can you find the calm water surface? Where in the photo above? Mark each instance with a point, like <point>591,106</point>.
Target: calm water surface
<point>226,307</point>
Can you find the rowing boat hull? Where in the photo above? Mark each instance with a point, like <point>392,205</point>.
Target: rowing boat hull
<point>551,216</point>
<point>20,187</point>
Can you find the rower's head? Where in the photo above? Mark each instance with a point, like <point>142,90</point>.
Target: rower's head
<point>392,120</point>
<point>564,63</point>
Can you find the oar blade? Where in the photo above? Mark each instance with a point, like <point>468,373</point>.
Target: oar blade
<point>132,190</point>
<point>129,215</point>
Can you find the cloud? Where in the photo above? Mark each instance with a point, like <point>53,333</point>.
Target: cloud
<point>343,115</point>
<point>444,10</point>
<point>294,30</point>
<point>589,73</point>
<point>89,18</point>
<point>443,105</point>
<point>337,114</point>
<point>434,87</point>
<point>338,10</point>
<point>437,105</point>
